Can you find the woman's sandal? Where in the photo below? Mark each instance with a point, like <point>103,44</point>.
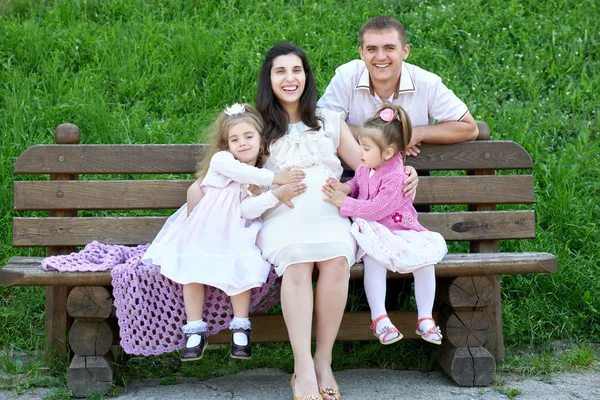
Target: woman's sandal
<point>329,391</point>
<point>309,397</point>
<point>433,330</point>
<point>385,331</point>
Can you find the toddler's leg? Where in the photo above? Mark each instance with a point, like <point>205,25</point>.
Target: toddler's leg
<point>425,294</point>
<point>375,289</point>
<point>195,329</point>
<point>240,326</point>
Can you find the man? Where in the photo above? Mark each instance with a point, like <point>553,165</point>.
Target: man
<point>358,88</point>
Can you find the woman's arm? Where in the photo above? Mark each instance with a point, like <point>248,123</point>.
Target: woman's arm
<point>348,149</point>
<point>194,195</point>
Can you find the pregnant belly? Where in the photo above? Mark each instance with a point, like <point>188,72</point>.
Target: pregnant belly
<point>309,204</point>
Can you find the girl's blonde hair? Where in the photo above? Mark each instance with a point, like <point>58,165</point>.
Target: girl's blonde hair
<point>219,130</point>
<point>394,130</point>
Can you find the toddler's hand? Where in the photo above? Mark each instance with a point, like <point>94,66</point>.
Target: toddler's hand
<point>334,184</point>
<point>288,176</point>
<point>287,192</point>
<point>334,196</point>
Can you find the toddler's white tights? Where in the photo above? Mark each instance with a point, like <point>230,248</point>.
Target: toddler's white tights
<point>375,289</point>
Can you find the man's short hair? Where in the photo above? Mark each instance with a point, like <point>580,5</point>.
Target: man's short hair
<point>383,23</point>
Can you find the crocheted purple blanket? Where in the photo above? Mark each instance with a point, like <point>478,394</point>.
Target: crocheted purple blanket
<point>149,306</point>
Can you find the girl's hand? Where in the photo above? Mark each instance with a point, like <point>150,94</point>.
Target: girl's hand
<point>335,184</point>
<point>288,176</point>
<point>334,196</point>
<point>411,182</point>
<point>287,192</point>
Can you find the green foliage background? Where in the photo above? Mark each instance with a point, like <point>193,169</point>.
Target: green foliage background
<point>159,71</point>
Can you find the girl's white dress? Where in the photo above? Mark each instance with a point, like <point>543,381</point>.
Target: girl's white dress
<point>214,245</point>
<point>313,230</point>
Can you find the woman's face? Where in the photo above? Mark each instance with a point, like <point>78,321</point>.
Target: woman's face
<point>288,79</point>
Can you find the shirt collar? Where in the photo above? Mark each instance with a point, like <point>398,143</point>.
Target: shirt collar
<point>406,84</point>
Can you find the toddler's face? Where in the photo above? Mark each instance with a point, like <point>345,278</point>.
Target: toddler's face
<point>370,153</point>
<point>244,142</point>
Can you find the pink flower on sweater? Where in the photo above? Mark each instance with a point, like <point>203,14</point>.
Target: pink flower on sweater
<point>397,218</point>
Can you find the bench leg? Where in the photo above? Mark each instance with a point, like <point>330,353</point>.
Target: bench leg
<point>469,320</point>
<point>495,344</point>
<point>58,322</point>
<point>467,366</point>
<point>90,338</point>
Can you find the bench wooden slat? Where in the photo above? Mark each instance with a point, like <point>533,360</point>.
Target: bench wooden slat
<point>270,328</point>
<point>170,194</point>
<point>141,230</point>
<point>181,159</point>
<point>26,271</point>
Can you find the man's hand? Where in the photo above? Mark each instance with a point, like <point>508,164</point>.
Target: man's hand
<point>287,192</point>
<point>334,196</point>
<point>412,149</point>
<point>288,176</point>
<point>411,182</point>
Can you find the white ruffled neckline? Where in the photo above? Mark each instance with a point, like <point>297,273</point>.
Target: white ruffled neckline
<point>301,148</point>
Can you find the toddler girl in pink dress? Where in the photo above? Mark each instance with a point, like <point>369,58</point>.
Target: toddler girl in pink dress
<point>385,223</point>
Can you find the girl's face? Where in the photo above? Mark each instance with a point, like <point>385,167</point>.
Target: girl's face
<point>244,142</point>
<point>370,154</point>
<point>288,79</point>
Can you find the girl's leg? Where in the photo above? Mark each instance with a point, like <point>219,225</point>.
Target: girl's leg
<point>297,308</point>
<point>193,299</point>
<point>241,320</point>
<point>375,289</point>
<point>424,295</point>
<point>330,302</point>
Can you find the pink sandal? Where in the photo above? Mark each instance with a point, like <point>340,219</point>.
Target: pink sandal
<point>430,331</point>
<point>385,331</point>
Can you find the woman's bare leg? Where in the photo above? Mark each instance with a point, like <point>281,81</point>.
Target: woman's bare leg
<point>330,302</point>
<point>297,307</point>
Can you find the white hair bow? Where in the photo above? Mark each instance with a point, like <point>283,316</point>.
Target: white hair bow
<point>236,108</point>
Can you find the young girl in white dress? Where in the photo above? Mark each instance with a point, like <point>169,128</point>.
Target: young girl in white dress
<point>211,240</point>
<point>385,223</point>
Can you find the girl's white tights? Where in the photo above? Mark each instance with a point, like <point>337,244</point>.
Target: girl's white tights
<point>375,289</point>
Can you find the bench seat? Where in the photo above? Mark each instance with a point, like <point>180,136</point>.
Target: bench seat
<point>27,271</point>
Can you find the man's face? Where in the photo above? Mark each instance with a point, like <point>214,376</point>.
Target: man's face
<point>383,53</point>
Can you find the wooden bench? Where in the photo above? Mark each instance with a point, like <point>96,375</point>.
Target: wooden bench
<point>468,310</point>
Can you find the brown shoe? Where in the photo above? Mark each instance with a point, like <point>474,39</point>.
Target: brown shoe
<point>241,352</point>
<point>196,352</point>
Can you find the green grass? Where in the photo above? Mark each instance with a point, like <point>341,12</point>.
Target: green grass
<point>159,71</point>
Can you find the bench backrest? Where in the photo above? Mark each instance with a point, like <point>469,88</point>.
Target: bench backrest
<point>66,194</point>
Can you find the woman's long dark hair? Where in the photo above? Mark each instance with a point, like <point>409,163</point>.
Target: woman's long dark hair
<point>274,115</point>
